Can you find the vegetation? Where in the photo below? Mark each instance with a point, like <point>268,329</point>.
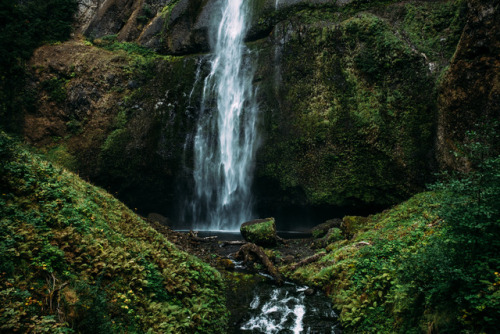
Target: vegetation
<point>260,232</point>
<point>74,259</point>
<point>351,114</point>
<point>25,26</point>
<point>356,100</point>
<point>428,264</point>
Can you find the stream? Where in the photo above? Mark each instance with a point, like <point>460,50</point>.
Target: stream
<point>258,305</point>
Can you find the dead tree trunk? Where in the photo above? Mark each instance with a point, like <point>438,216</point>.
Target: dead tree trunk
<point>307,260</point>
<point>250,248</point>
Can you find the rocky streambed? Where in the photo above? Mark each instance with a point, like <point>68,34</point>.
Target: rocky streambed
<point>260,300</point>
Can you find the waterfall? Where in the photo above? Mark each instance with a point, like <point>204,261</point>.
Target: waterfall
<point>225,141</point>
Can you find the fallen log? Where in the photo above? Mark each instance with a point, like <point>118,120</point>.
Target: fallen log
<point>307,260</point>
<point>194,236</point>
<point>248,248</point>
<point>232,243</point>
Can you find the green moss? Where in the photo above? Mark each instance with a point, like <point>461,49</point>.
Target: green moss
<point>261,232</point>
<point>55,88</point>
<point>353,224</point>
<point>65,242</point>
<point>61,155</point>
<point>435,28</point>
<point>334,235</point>
<point>361,274</point>
<point>357,106</point>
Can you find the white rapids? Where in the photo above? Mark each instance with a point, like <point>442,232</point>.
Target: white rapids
<point>284,311</point>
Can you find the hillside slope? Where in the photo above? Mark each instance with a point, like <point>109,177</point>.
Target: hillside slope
<point>75,259</point>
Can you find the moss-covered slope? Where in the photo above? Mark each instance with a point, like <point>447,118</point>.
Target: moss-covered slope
<point>410,270</point>
<point>74,259</point>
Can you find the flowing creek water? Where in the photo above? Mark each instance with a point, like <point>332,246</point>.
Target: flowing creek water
<point>258,305</point>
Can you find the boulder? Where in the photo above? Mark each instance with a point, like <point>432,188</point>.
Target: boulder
<point>334,234</point>
<point>322,229</point>
<point>352,224</point>
<point>261,232</point>
<point>158,218</point>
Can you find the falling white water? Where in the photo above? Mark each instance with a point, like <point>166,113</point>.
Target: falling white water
<point>225,140</point>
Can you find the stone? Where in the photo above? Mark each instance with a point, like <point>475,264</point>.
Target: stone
<point>309,292</point>
<point>353,224</point>
<point>322,229</point>
<point>261,232</point>
<point>158,218</point>
<point>226,264</point>
<point>334,234</point>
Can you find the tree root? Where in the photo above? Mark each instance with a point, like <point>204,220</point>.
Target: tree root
<point>307,260</point>
<point>249,248</point>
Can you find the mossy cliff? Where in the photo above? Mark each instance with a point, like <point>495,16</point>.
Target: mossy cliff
<point>114,112</point>
<point>73,259</point>
<point>349,100</point>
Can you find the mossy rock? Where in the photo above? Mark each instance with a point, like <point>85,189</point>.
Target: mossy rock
<point>332,235</point>
<point>353,224</point>
<point>261,232</point>
<point>322,229</point>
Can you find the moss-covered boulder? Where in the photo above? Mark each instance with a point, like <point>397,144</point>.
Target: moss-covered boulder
<point>322,229</point>
<point>353,224</point>
<point>261,232</point>
<point>333,234</point>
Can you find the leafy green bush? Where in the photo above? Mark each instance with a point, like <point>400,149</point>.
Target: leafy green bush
<point>457,275</point>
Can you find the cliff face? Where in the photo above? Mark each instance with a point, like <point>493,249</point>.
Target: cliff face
<point>469,94</point>
<point>174,26</point>
<point>117,117</point>
<point>351,94</point>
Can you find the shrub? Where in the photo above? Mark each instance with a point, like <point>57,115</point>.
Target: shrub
<point>456,277</point>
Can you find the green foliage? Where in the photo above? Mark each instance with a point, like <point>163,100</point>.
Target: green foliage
<point>361,274</point>
<point>25,26</point>
<point>457,275</point>
<point>435,29</point>
<point>429,264</point>
<point>75,259</point>
<point>143,61</point>
<point>145,15</point>
<point>55,88</point>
